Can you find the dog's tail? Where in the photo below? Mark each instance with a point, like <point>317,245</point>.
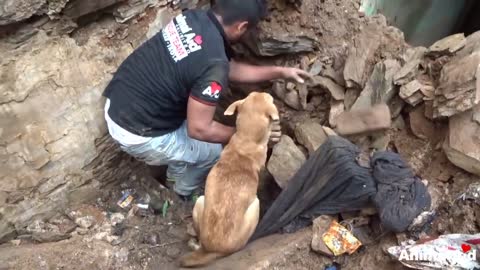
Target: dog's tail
<point>199,258</point>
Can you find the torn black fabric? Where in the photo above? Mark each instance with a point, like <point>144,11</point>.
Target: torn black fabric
<point>401,196</point>
<point>332,182</point>
<point>329,182</point>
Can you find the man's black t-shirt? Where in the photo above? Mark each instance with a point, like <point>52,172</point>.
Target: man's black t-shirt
<point>188,58</point>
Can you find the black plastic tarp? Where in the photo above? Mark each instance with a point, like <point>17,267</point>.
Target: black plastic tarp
<point>332,181</point>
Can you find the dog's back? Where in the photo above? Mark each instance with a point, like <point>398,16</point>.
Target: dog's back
<point>228,197</point>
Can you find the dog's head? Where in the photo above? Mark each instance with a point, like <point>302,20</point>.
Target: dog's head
<point>255,114</point>
<point>258,103</point>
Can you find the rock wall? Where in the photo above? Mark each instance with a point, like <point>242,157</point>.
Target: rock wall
<point>54,151</point>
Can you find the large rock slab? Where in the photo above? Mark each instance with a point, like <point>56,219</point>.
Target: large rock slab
<point>448,45</point>
<point>268,44</point>
<point>132,8</point>
<point>75,9</point>
<point>54,151</point>
<point>462,145</point>
<point>380,87</point>
<point>12,11</point>
<point>285,161</point>
<point>360,55</point>
<point>457,90</point>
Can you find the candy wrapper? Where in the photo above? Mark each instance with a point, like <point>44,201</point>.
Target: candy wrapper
<point>340,240</point>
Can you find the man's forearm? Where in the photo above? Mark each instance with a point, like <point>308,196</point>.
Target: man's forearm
<point>245,73</point>
<point>213,133</point>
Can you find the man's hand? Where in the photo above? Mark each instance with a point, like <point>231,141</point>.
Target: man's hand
<point>245,73</point>
<point>298,75</point>
<point>276,132</point>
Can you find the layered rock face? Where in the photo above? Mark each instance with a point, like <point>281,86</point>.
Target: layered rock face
<point>54,151</point>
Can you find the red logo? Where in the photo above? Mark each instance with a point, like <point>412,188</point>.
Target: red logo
<point>216,88</point>
<point>198,39</point>
<point>466,248</point>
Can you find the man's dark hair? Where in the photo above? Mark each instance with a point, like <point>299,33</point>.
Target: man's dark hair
<point>233,11</point>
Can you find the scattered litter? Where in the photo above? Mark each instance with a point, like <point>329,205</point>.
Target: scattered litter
<point>142,208</point>
<point>453,251</point>
<point>126,200</point>
<point>334,266</point>
<point>165,207</point>
<point>472,193</point>
<point>340,240</point>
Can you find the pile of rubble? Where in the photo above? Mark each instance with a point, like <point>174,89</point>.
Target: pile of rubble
<point>432,85</point>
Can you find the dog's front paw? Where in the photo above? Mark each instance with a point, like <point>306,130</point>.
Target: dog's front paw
<point>193,244</point>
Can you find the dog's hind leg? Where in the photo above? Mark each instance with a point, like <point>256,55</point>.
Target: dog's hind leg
<point>250,222</point>
<point>198,214</point>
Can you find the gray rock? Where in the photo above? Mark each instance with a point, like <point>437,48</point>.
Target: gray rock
<point>49,236</point>
<point>316,68</point>
<point>289,94</point>
<point>398,123</point>
<point>396,105</point>
<point>414,53</point>
<point>336,109</point>
<point>457,89</point>
<point>268,45</point>
<point>476,118</point>
<point>386,89</point>
<point>360,56</point>
<point>12,11</point>
<point>462,145</point>
<point>85,222</point>
<point>3,197</point>
<point>380,87</point>
<point>75,9</point>
<point>421,127</point>
<point>320,226</point>
<point>351,96</point>
<point>132,8</point>
<point>408,72</point>
<point>364,121</point>
<point>448,45</point>
<point>411,92</point>
<point>285,161</point>
<point>310,134</point>
<point>337,77</point>
<point>336,91</point>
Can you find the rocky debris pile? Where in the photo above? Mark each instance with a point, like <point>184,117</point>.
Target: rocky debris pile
<point>18,11</point>
<point>441,83</point>
<point>429,84</point>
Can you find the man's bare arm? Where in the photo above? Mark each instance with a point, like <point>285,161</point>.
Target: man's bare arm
<point>245,73</point>
<point>201,126</point>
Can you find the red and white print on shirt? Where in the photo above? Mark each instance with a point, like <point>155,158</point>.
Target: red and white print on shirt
<point>213,90</point>
<point>180,38</point>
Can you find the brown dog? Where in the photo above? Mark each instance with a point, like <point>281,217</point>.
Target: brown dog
<point>227,215</point>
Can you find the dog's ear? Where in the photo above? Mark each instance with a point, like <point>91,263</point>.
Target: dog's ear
<point>233,107</point>
<point>273,112</point>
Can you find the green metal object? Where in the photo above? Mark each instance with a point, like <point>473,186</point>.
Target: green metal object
<point>422,21</point>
